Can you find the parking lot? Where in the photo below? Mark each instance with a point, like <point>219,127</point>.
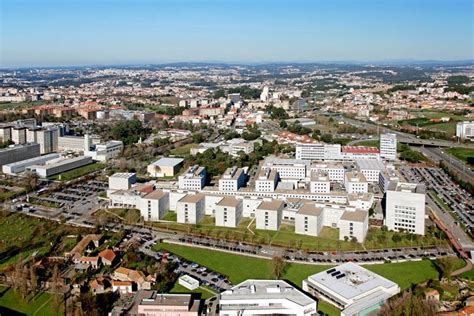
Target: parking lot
<point>458,199</point>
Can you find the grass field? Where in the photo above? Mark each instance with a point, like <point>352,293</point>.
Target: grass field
<point>468,275</point>
<point>286,237</point>
<point>40,305</point>
<point>239,268</point>
<point>28,236</point>
<point>461,153</point>
<point>205,293</point>
<point>79,172</point>
<point>369,143</point>
<point>183,150</point>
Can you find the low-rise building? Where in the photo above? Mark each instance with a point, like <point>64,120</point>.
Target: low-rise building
<point>265,297</point>
<point>152,303</point>
<point>17,153</point>
<point>351,288</point>
<point>165,167</point>
<point>15,168</point>
<point>47,170</point>
<point>355,182</point>
<point>154,205</point>
<point>320,183</point>
<point>308,220</point>
<point>354,225</point>
<point>266,181</point>
<point>232,179</point>
<point>188,282</point>
<point>228,212</point>
<point>371,169</point>
<point>193,179</point>
<point>191,209</point>
<point>269,215</point>
<point>122,180</point>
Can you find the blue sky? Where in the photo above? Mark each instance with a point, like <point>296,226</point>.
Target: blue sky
<point>73,32</point>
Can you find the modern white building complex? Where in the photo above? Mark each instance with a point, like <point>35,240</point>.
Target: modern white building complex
<point>309,220</point>
<point>103,152</point>
<point>287,168</point>
<point>335,171</point>
<point>165,167</point>
<point>229,212</point>
<point>353,225</point>
<point>388,146</point>
<point>320,183</point>
<point>122,180</point>
<point>351,288</point>
<point>266,181</point>
<point>321,151</point>
<point>355,182</point>
<point>233,179</point>
<point>190,209</point>
<point>265,297</point>
<point>465,130</point>
<point>193,179</point>
<point>405,208</point>
<point>268,215</point>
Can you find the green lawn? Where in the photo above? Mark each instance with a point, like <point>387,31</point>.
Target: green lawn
<point>369,143</point>
<point>170,216</point>
<point>468,274</point>
<point>183,150</point>
<point>461,153</point>
<point>79,172</point>
<point>239,268</point>
<point>205,293</point>
<point>40,305</point>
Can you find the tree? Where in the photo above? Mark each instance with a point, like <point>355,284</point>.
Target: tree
<point>396,238</point>
<point>283,124</point>
<point>33,280</point>
<point>278,266</point>
<point>30,181</point>
<point>327,138</point>
<point>446,266</point>
<point>409,304</point>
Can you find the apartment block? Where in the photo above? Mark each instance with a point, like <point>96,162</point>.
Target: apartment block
<point>269,215</point>
<point>190,209</point>
<point>228,212</point>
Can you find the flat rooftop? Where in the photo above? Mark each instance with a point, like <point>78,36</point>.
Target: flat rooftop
<point>168,162</point>
<point>123,175</point>
<point>229,201</point>
<point>192,198</point>
<point>310,209</point>
<point>251,290</point>
<point>155,195</point>
<point>370,164</point>
<point>270,205</point>
<point>352,282</point>
<point>354,216</point>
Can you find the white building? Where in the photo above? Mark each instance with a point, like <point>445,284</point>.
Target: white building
<point>309,220</point>
<point>19,135</point>
<point>388,146</point>
<point>318,151</point>
<point>320,183</point>
<point>165,167</point>
<point>188,282</point>
<point>465,130</point>
<point>355,182</point>
<point>154,205</point>
<point>266,181</point>
<point>193,179</point>
<point>63,165</point>
<point>371,169</point>
<point>335,171</point>
<point>287,168</point>
<point>103,152</point>
<point>228,212</point>
<point>265,297</point>
<point>269,214</point>
<point>232,179</point>
<point>351,288</point>
<point>405,208</point>
<point>122,181</point>
<point>354,225</point>
<point>190,209</point>
<point>15,168</point>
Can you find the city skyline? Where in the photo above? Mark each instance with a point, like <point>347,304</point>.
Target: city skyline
<point>80,33</point>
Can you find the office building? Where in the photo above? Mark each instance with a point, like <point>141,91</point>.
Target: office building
<point>19,135</point>
<point>269,214</point>
<point>56,167</point>
<point>152,303</point>
<point>228,212</point>
<point>353,224</point>
<point>122,181</point>
<point>351,288</point>
<point>19,152</point>
<point>154,205</point>
<point>371,169</point>
<point>266,181</point>
<point>165,167</point>
<point>465,130</point>
<point>5,133</point>
<point>309,220</point>
<point>320,183</point>
<point>188,282</point>
<point>103,152</point>
<point>233,179</point>
<point>265,297</point>
<point>405,208</point>
<point>388,146</point>
<point>287,168</point>
<point>190,209</point>
<point>15,168</point>
<point>318,151</point>
<point>335,171</point>
<point>355,182</point>
<point>193,179</point>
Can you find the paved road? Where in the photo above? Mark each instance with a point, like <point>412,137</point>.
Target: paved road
<point>437,155</point>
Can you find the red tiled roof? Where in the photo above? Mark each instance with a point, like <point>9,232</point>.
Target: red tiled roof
<point>108,254</point>
<point>360,150</point>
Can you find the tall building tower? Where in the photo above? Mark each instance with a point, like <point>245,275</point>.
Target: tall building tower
<point>388,146</point>
<point>87,143</point>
